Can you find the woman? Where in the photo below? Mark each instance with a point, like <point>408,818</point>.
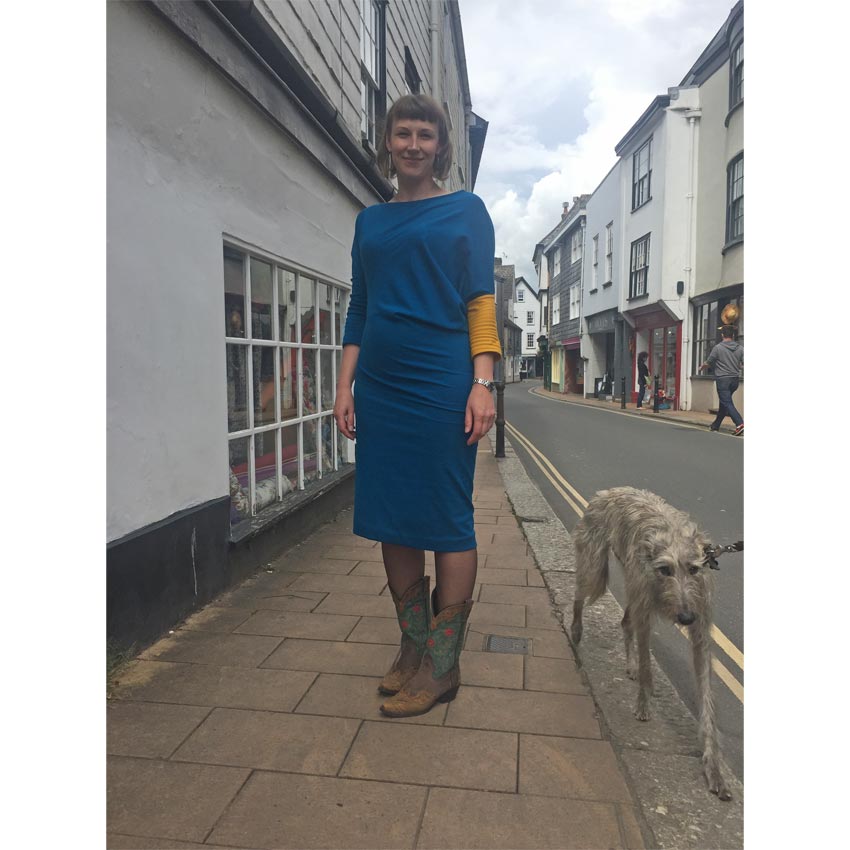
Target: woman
<point>643,374</point>
<point>421,342</point>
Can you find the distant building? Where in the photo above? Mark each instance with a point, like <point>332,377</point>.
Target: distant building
<point>527,316</point>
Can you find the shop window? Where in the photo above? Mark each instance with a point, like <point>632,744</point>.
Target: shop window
<point>707,324</point>
<point>283,342</point>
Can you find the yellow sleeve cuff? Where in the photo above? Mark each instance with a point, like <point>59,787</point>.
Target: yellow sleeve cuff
<point>483,335</point>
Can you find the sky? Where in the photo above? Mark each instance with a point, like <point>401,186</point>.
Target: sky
<point>561,82</point>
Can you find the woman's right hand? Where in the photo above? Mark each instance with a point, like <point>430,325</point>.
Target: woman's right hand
<point>344,412</point>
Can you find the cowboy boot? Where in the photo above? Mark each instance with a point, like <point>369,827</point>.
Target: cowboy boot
<point>438,676</point>
<point>413,618</point>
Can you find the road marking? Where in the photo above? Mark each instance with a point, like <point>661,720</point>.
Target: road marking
<point>646,418</point>
<point>557,481</point>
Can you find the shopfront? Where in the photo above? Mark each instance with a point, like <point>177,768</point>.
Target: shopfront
<point>660,336</point>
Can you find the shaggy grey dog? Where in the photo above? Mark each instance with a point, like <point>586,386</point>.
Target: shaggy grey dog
<point>663,555</point>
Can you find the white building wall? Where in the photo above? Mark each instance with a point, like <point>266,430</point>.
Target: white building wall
<point>603,207</point>
<point>529,304</point>
<point>188,160</point>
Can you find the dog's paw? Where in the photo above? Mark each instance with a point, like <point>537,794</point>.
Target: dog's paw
<point>715,782</point>
<point>631,672</point>
<point>643,712</point>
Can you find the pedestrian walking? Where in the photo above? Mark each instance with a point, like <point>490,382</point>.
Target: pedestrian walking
<point>726,358</point>
<point>420,346</point>
<point>643,374</point>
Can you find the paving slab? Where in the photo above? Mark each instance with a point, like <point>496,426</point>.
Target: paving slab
<point>323,656</point>
<point>546,643</point>
<point>571,767</point>
<point>376,630</point>
<point>434,755</point>
<point>357,604</point>
<point>286,600</point>
<point>542,618</point>
<point>214,649</point>
<point>369,568</point>
<point>196,684</point>
<point>136,842</point>
<point>345,552</point>
<point>214,618</point>
<point>163,798</point>
<point>319,565</point>
<point>517,578</point>
<point>492,670</point>
<point>557,675</point>
<point>369,585</point>
<point>538,712</point>
<point>298,624</point>
<point>357,696</point>
<point>488,613</point>
<point>281,811</point>
<point>489,821</point>
<point>531,596</point>
<point>270,741</point>
<point>149,730</point>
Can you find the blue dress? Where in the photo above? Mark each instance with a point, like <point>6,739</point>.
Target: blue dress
<point>415,266</point>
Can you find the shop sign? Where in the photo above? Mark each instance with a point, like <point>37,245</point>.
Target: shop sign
<point>602,323</point>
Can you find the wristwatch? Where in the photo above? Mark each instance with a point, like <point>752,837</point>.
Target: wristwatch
<point>484,383</point>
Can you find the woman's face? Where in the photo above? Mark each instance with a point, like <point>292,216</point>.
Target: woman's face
<point>414,146</point>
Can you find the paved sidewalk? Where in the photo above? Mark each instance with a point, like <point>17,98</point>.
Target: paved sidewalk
<point>687,417</point>
<point>256,723</point>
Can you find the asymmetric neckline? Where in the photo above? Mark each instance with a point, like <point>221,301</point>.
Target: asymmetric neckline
<point>431,198</point>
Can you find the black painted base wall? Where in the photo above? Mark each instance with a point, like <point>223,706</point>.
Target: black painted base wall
<point>154,580</point>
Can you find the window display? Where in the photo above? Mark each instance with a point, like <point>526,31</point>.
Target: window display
<point>282,435</point>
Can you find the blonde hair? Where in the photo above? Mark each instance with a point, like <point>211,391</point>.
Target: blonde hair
<point>418,107</point>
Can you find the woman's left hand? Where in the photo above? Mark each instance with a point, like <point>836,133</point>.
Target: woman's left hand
<point>480,413</point>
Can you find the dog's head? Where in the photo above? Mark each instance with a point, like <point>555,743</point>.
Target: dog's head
<point>678,571</point>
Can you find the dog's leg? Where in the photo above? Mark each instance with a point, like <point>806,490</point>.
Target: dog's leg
<point>628,639</point>
<point>576,627</point>
<point>700,633</point>
<point>642,620</point>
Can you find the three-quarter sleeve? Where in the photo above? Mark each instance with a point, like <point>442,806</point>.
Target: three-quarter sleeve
<point>481,248</point>
<point>356,318</point>
<point>483,333</point>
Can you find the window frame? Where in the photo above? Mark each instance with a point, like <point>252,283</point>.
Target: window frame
<point>735,203</point>
<point>556,261</point>
<point>736,74</point>
<point>556,309</point>
<point>576,245</point>
<point>609,252</point>
<point>639,274</point>
<point>529,340</point>
<point>641,181</point>
<point>575,301</point>
<point>338,296</point>
<point>594,283</point>
<point>372,69</point>
<point>520,296</point>
<point>529,317</point>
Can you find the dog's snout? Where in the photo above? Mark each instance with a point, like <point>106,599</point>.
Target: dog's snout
<point>685,617</point>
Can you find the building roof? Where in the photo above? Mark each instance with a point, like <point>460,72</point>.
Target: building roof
<point>659,103</point>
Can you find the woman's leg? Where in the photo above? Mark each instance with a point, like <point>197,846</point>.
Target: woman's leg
<point>456,573</point>
<point>404,566</point>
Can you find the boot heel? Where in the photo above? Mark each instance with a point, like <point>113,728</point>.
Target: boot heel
<point>449,695</point>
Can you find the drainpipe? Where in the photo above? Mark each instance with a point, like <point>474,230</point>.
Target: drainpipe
<point>690,251</point>
<point>436,60</point>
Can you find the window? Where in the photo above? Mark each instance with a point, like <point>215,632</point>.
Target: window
<point>556,269</point>
<point>594,284</point>
<point>371,19</point>
<point>283,341</point>
<point>642,175</point>
<point>609,252</point>
<point>556,309</point>
<point>529,340</point>
<point>575,300</point>
<point>575,246</point>
<point>707,326</point>
<point>412,80</point>
<point>520,295</point>
<point>735,200</point>
<point>639,267</point>
<point>529,317</point>
<point>736,76</point>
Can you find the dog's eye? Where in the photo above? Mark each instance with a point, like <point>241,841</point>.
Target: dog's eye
<point>665,571</point>
<point>694,569</point>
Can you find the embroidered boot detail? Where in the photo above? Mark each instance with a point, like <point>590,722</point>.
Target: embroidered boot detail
<point>438,676</point>
<point>413,618</point>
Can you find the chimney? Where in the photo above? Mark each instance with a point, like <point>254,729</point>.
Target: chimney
<point>576,199</point>
<point>497,261</point>
<point>566,209</point>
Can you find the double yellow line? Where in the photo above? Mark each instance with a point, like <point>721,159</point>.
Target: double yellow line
<point>578,503</point>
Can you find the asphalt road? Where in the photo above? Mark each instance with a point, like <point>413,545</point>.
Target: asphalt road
<point>697,471</point>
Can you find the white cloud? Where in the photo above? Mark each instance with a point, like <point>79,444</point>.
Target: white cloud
<point>523,54</point>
